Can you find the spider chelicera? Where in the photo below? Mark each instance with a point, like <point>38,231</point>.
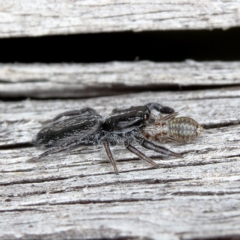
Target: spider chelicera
<point>87,127</point>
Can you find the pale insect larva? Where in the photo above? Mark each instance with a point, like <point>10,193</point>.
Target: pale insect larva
<point>170,128</point>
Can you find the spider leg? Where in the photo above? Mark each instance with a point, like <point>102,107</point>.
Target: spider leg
<point>48,152</point>
<point>170,116</point>
<point>90,111</point>
<point>110,156</point>
<point>56,149</point>
<point>157,148</point>
<point>160,108</point>
<point>51,151</point>
<point>134,150</point>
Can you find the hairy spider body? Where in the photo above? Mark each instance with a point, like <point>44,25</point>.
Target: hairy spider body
<point>87,127</point>
<point>170,128</point>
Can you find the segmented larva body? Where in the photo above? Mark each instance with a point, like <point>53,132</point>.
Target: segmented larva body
<point>169,128</point>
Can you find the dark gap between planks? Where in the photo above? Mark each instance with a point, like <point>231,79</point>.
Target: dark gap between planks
<point>114,90</point>
<point>157,46</point>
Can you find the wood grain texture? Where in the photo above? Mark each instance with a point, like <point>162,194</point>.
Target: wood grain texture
<point>84,80</point>
<point>77,195</point>
<point>41,17</point>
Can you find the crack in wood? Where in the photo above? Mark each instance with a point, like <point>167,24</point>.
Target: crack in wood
<point>206,193</point>
<point>85,202</point>
<point>28,181</point>
<point>221,124</point>
<point>16,145</point>
<point>226,237</point>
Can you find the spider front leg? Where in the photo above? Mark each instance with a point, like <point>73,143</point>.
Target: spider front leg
<point>141,155</point>
<point>160,108</point>
<point>157,148</point>
<point>90,112</point>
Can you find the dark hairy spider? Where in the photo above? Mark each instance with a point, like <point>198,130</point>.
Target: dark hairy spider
<point>87,127</point>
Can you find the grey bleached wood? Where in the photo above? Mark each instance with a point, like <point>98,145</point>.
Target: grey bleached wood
<point>77,195</point>
<point>28,18</point>
<point>84,80</point>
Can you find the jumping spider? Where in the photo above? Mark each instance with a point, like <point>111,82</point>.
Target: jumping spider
<point>87,127</point>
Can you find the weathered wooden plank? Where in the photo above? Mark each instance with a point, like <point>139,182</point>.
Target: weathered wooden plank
<point>83,80</point>
<point>77,195</point>
<point>20,121</point>
<point>26,18</point>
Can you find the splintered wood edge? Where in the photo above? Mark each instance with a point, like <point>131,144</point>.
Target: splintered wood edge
<point>84,80</point>
<point>23,18</point>
<point>77,195</point>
